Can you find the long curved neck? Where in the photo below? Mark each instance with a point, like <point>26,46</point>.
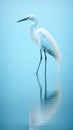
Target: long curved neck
<point>33,25</point>
<point>31,29</point>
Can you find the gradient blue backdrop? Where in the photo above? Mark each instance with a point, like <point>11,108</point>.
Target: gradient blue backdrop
<point>19,59</point>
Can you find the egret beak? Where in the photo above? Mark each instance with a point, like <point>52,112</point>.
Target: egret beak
<point>23,19</point>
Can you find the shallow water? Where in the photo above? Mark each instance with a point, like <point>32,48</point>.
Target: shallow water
<point>22,103</point>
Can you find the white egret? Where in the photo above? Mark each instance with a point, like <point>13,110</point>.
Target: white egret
<point>45,40</point>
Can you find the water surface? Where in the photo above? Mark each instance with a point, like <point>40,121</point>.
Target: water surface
<point>19,57</point>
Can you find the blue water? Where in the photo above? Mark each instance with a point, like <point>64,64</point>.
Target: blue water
<point>19,57</point>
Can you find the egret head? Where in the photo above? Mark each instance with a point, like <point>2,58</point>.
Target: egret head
<point>29,18</point>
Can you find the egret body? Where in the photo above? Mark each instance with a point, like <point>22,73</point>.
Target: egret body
<point>45,40</point>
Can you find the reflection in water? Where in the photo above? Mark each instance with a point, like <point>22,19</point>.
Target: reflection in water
<point>45,111</point>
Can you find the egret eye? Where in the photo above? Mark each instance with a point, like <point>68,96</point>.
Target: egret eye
<point>31,18</point>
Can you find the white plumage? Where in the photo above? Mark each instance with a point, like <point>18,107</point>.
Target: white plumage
<point>46,41</point>
<point>44,38</point>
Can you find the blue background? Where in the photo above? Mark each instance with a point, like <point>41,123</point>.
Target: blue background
<point>19,58</point>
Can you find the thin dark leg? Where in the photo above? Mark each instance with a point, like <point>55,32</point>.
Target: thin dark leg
<point>40,88</point>
<point>39,62</point>
<point>45,75</point>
